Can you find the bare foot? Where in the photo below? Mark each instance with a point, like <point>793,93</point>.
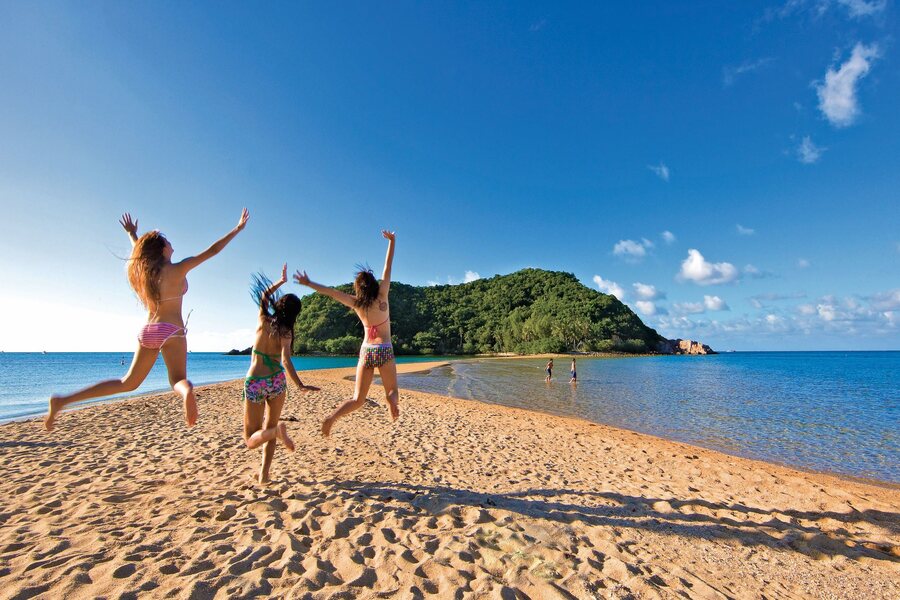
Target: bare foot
<point>190,409</point>
<point>282,434</point>
<point>263,477</point>
<point>326,426</point>
<point>53,407</point>
<point>394,406</point>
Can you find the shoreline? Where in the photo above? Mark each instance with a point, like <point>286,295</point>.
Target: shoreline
<point>349,373</point>
<point>456,495</point>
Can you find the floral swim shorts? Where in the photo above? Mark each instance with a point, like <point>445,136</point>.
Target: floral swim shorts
<point>261,389</point>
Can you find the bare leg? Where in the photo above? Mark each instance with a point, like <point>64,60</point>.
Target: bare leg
<point>140,366</point>
<point>363,381</point>
<point>280,429</point>
<point>174,352</point>
<point>388,372</point>
<point>254,433</point>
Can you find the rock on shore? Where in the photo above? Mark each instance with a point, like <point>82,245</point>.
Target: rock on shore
<point>679,346</point>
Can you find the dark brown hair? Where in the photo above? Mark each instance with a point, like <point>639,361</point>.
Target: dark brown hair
<point>279,312</point>
<point>365,286</point>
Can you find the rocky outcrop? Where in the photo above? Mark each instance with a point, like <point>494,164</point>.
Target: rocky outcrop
<point>236,352</point>
<point>679,346</point>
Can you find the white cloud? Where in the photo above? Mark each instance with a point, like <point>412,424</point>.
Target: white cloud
<point>661,170</point>
<point>645,291</point>
<point>837,94</point>
<point>756,273</point>
<point>802,263</point>
<point>806,309</point>
<point>807,152</point>
<point>646,307</point>
<point>471,276</point>
<point>609,287</point>
<point>863,8</point>
<point>538,25</point>
<point>714,303</point>
<point>669,237</point>
<point>886,300</point>
<point>632,250</point>
<point>730,74</point>
<point>744,230</point>
<point>695,268</point>
<point>689,308</point>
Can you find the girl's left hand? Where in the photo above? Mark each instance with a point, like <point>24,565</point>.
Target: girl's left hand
<point>283,273</point>
<point>301,277</point>
<point>388,235</point>
<point>128,225</point>
<point>242,222</point>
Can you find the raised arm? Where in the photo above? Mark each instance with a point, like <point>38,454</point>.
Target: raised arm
<point>130,227</point>
<point>385,285</point>
<point>193,261</point>
<point>289,367</point>
<point>346,299</point>
<point>269,291</point>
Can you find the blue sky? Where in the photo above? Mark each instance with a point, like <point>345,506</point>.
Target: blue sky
<point>762,136</point>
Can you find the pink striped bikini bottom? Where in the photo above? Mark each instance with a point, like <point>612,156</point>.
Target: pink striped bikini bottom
<point>154,335</point>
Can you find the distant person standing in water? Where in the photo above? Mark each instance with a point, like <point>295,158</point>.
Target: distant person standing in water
<point>370,303</point>
<point>574,372</point>
<point>160,286</point>
<point>549,371</point>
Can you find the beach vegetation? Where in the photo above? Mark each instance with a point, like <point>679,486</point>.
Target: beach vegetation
<point>530,311</point>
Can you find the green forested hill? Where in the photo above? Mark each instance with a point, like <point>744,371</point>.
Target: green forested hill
<point>529,311</point>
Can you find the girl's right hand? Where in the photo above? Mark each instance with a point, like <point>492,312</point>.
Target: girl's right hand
<point>283,274</point>
<point>242,222</point>
<point>388,235</point>
<point>128,225</point>
<point>301,277</point>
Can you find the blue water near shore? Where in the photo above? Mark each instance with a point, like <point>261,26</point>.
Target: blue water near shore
<point>28,378</point>
<point>826,411</point>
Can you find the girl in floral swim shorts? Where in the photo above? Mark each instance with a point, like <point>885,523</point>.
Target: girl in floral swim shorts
<point>265,386</point>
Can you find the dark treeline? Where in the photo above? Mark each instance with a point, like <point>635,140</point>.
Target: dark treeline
<point>527,312</point>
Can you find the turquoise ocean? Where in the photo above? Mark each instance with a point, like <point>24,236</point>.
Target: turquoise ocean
<point>836,412</point>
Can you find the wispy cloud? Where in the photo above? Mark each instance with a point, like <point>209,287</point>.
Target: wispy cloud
<point>538,25</point>
<point>730,74</point>
<point>668,237</point>
<point>802,263</point>
<point>837,94</point>
<point>807,152</point>
<point>697,269</point>
<point>471,276</point>
<point>645,291</point>
<point>649,308</point>
<point>744,230</point>
<point>863,8</point>
<point>609,287</point>
<point>632,250</point>
<point>661,170</point>
<point>763,300</point>
<point>710,303</point>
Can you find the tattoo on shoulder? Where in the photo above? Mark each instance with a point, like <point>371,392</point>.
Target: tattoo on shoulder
<point>383,305</point>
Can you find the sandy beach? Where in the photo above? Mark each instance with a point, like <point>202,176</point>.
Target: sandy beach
<point>457,499</point>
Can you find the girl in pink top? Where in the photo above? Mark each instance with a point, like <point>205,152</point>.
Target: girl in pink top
<point>160,285</point>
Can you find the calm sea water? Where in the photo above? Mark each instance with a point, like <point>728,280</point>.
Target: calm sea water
<point>826,411</point>
<point>28,379</point>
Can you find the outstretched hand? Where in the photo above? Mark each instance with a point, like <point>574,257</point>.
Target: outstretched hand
<point>242,222</point>
<point>128,225</point>
<point>301,277</point>
<point>388,235</point>
<point>283,274</point>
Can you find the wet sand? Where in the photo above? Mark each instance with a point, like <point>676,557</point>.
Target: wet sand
<point>456,499</point>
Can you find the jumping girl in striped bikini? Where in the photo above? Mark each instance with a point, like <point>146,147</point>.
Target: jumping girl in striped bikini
<point>160,285</point>
<point>266,385</point>
<point>370,303</point>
